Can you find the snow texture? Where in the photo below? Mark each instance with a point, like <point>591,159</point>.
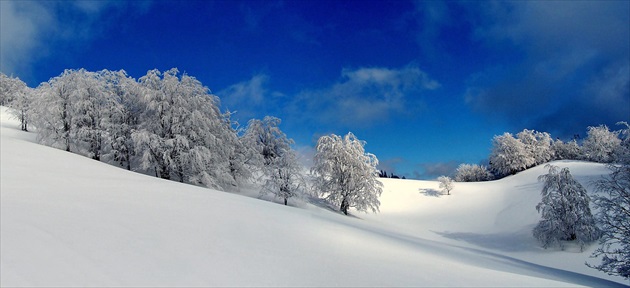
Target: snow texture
<point>68,221</point>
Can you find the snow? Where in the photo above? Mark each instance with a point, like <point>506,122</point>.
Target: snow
<point>67,220</point>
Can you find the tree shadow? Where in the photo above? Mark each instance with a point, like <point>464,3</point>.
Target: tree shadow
<point>430,192</point>
<point>507,242</point>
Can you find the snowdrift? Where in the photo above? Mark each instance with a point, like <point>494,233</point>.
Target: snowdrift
<point>67,220</point>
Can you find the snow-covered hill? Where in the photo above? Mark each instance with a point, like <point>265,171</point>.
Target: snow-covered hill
<point>67,220</point>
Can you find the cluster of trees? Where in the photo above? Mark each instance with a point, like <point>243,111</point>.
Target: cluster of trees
<point>169,125</point>
<point>383,174</point>
<point>530,148</point>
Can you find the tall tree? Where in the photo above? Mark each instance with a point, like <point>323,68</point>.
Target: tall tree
<point>345,174</point>
<point>565,209</point>
<point>8,86</point>
<point>155,138</point>
<point>124,116</point>
<point>54,107</point>
<point>613,204</point>
<point>18,96</point>
<point>91,104</point>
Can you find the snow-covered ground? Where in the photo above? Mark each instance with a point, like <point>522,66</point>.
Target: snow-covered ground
<point>67,220</point>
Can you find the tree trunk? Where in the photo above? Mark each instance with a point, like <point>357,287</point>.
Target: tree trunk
<point>344,206</point>
<point>285,201</point>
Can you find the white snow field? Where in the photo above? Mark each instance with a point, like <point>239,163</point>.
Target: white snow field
<point>67,220</point>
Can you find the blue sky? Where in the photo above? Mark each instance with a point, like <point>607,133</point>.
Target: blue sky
<point>426,83</point>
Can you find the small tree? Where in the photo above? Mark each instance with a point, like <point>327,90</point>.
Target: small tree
<point>284,177</point>
<point>613,216</point>
<point>345,174</point>
<point>446,184</point>
<point>566,214</point>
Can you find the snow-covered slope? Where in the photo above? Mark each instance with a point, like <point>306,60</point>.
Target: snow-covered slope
<point>67,220</point>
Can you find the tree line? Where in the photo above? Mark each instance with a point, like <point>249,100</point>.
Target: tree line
<point>169,125</point>
<point>510,154</point>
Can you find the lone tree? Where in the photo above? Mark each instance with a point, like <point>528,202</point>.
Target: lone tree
<point>566,215</point>
<point>446,184</point>
<point>345,174</point>
<point>613,215</point>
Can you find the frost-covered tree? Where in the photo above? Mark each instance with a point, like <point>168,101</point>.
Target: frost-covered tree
<point>543,152</point>
<point>124,116</point>
<point>613,214</point>
<point>508,155</point>
<point>601,144</point>
<point>241,156</point>
<point>21,98</point>
<point>158,140</point>
<point>182,134</point>
<point>565,210</point>
<point>566,151</point>
<point>91,104</point>
<point>8,86</point>
<point>273,157</point>
<point>622,154</point>
<point>265,137</point>
<point>472,173</point>
<point>284,177</point>
<point>446,184</point>
<point>54,109</point>
<point>345,174</point>
<point>207,129</point>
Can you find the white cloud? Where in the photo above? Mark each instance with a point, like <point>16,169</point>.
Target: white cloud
<point>28,27</point>
<point>22,25</point>
<point>247,92</point>
<point>250,98</point>
<point>365,96</point>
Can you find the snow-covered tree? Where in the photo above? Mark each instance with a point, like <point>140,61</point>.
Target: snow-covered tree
<point>91,102</point>
<point>267,139</point>
<point>472,173</point>
<point>124,116</point>
<point>54,109</point>
<point>284,177</point>
<point>207,128</point>
<point>20,97</point>
<point>565,209</point>
<point>566,151</point>
<point>622,154</point>
<point>345,174</point>
<point>613,214</point>
<point>241,156</point>
<point>508,155</point>
<point>600,144</point>
<point>272,156</point>
<point>8,87</point>
<point>446,184</point>
<point>543,152</point>
<point>182,133</point>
